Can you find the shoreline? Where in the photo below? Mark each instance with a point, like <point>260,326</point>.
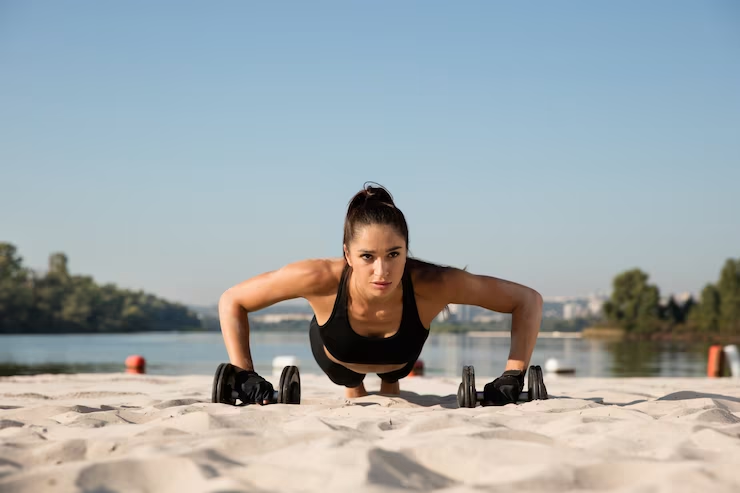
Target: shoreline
<point>610,333</point>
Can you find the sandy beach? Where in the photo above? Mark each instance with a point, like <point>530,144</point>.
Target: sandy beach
<point>109,433</point>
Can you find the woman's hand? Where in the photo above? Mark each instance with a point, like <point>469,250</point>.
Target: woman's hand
<point>504,389</point>
<point>253,389</point>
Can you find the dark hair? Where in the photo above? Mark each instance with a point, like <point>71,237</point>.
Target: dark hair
<point>373,205</point>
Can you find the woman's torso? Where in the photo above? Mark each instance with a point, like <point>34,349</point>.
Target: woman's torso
<point>380,323</point>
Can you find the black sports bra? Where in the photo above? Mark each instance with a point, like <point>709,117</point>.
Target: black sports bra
<point>348,346</point>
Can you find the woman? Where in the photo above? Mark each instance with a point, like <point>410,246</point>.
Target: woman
<point>374,306</point>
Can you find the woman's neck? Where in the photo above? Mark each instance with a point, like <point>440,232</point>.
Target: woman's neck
<point>363,304</point>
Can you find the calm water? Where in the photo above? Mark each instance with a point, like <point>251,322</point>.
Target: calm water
<point>444,354</point>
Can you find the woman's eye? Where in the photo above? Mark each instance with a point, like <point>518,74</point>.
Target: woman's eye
<point>366,256</point>
<point>393,254</point>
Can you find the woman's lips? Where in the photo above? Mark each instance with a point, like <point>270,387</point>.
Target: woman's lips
<point>381,285</point>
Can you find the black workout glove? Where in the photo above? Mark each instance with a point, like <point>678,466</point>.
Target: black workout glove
<point>252,388</point>
<point>505,389</point>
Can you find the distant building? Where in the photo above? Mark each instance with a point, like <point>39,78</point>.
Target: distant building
<point>466,313</point>
<point>569,311</point>
<point>487,317</point>
<point>443,316</point>
<point>460,313</point>
<point>573,310</point>
<point>552,313</point>
<point>595,305</point>
<point>276,318</point>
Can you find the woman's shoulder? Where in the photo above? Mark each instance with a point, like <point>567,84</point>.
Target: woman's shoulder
<point>428,278</point>
<point>322,275</point>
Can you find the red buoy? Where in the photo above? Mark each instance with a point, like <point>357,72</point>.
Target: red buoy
<point>418,369</point>
<point>135,364</point>
<point>716,362</point>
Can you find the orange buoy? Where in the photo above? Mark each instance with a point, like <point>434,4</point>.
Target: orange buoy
<point>135,364</point>
<point>716,361</point>
<point>418,369</point>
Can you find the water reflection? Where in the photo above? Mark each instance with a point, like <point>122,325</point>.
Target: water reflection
<point>447,353</point>
<point>10,369</point>
<point>443,355</point>
<point>630,359</point>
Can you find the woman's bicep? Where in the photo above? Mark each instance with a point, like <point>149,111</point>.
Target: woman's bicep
<point>488,292</point>
<point>295,280</point>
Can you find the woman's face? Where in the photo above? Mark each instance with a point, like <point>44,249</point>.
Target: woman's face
<point>377,256</point>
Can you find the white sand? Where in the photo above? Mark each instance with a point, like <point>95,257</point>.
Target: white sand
<point>126,433</point>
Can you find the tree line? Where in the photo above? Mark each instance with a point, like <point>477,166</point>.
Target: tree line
<point>635,306</point>
<point>59,302</point>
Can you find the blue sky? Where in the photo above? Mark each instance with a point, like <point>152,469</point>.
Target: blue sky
<point>181,147</point>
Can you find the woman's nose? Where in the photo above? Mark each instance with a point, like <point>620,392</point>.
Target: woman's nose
<point>381,268</point>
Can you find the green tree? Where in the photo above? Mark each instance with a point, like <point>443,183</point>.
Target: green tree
<point>58,265</point>
<point>634,304</point>
<point>132,317</point>
<point>687,308</point>
<point>729,293</point>
<point>78,305</point>
<point>706,314</point>
<point>49,294</point>
<point>60,302</point>
<point>15,289</point>
<point>107,310</point>
<point>673,313</point>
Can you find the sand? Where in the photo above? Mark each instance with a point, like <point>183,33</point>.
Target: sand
<point>109,433</point>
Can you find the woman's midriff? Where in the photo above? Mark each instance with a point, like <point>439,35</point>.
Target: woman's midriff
<point>360,368</point>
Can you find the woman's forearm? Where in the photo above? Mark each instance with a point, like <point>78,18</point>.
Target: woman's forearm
<point>525,326</point>
<point>235,330</point>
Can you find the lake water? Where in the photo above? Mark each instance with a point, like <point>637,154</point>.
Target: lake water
<point>444,354</point>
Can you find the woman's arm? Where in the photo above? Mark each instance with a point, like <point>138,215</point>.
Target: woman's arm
<point>296,280</point>
<point>524,304</point>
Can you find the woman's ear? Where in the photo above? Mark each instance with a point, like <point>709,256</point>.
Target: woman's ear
<point>346,255</point>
